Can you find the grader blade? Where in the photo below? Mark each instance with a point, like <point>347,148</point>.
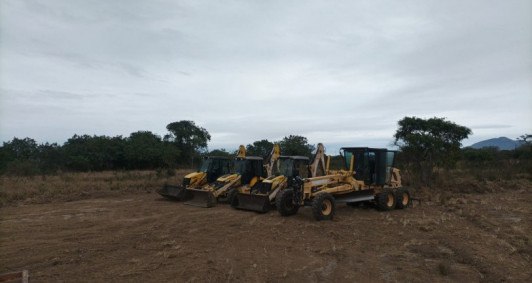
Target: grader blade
<point>356,196</point>
<point>259,203</point>
<point>201,198</point>
<point>174,192</point>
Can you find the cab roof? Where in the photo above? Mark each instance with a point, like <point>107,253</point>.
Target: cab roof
<point>365,148</point>
<point>295,157</point>
<point>217,157</point>
<point>251,158</point>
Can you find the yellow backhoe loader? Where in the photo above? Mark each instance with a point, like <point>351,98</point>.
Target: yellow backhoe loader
<point>247,171</point>
<point>283,170</point>
<point>211,168</point>
<point>371,177</point>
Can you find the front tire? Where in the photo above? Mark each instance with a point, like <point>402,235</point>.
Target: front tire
<point>285,202</point>
<point>323,207</point>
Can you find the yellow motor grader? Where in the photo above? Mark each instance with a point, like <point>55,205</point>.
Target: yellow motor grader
<point>211,168</point>
<point>247,171</point>
<point>283,170</point>
<point>371,177</point>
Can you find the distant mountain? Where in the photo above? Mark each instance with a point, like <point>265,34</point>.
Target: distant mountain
<point>503,143</point>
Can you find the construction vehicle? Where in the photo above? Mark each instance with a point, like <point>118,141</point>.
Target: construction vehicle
<point>247,171</point>
<point>371,177</point>
<point>283,170</point>
<point>211,168</point>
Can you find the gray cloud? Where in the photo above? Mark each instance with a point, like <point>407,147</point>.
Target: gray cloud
<point>342,73</point>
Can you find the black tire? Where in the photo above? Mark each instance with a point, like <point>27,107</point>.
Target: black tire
<point>232,198</point>
<point>402,198</point>
<point>385,201</point>
<point>285,202</point>
<point>323,207</point>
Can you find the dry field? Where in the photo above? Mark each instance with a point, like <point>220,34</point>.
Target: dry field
<point>113,227</point>
<point>77,186</point>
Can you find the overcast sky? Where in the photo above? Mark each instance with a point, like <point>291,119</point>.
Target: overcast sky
<point>337,72</point>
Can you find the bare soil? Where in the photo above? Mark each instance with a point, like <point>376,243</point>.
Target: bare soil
<point>142,237</point>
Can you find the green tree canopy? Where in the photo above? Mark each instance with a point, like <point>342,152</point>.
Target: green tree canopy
<point>296,145</point>
<point>430,142</point>
<point>96,153</point>
<point>141,150</point>
<point>50,157</point>
<point>20,148</point>
<point>18,154</point>
<point>189,138</point>
<point>145,149</point>
<point>260,148</point>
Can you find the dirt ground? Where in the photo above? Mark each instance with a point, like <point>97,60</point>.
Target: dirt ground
<point>472,237</point>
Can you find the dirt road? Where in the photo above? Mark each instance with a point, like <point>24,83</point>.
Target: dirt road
<point>473,237</point>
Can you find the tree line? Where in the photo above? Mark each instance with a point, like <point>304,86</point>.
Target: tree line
<point>424,144</point>
<point>140,150</point>
<point>183,146</point>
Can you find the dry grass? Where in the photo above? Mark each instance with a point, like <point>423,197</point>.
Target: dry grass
<point>75,186</point>
<point>480,180</point>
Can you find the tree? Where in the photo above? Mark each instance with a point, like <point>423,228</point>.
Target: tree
<point>146,150</point>
<point>19,155</point>
<point>20,148</point>
<point>428,143</point>
<point>85,153</point>
<point>170,155</point>
<point>50,156</point>
<point>296,145</point>
<point>189,138</point>
<point>260,148</point>
<point>525,139</point>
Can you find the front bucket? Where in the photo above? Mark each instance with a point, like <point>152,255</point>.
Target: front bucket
<point>259,203</point>
<point>174,192</point>
<point>201,198</point>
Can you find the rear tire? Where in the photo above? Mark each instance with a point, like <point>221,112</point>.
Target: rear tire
<point>385,201</point>
<point>323,207</point>
<point>285,202</point>
<point>402,198</point>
